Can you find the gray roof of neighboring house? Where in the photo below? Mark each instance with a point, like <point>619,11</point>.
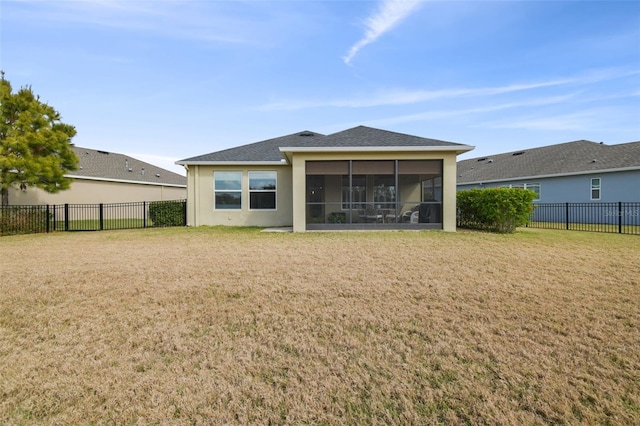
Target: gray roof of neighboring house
<point>561,159</point>
<point>357,137</point>
<point>103,165</point>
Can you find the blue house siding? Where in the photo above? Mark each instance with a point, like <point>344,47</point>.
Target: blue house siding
<point>621,186</point>
<point>614,187</point>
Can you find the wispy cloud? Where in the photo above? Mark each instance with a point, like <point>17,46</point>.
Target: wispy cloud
<point>405,97</point>
<point>577,121</point>
<point>590,119</point>
<point>443,114</point>
<point>394,97</point>
<point>214,22</point>
<point>388,15</point>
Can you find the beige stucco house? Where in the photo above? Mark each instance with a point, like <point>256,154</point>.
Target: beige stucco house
<point>107,177</point>
<point>360,178</point>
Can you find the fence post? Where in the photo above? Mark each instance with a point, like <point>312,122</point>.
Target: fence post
<point>66,217</point>
<point>144,214</point>
<point>566,215</point>
<point>101,216</point>
<point>619,217</point>
<point>184,213</point>
<point>47,219</point>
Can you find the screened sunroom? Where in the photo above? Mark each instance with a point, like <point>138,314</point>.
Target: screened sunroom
<point>380,194</point>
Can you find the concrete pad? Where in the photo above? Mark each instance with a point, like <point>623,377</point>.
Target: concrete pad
<point>281,229</point>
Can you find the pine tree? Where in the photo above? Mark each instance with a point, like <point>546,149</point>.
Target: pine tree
<point>35,145</point>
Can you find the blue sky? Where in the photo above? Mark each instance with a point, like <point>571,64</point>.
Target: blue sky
<point>165,80</point>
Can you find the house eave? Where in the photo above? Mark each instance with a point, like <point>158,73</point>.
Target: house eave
<point>459,149</point>
<point>175,185</point>
<point>553,175</point>
<point>232,163</point>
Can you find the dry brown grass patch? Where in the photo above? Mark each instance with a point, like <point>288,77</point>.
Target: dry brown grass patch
<point>214,325</point>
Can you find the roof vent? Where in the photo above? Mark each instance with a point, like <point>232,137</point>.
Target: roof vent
<point>490,160</point>
<point>482,159</point>
<point>306,134</point>
<point>129,169</point>
<point>157,174</point>
<point>518,153</point>
<point>594,160</point>
<point>103,152</point>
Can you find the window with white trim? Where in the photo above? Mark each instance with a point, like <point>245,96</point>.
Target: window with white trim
<point>262,190</point>
<point>227,190</point>
<point>595,188</point>
<point>535,187</point>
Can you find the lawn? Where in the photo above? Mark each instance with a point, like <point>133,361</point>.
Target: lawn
<point>590,227</point>
<point>214,325</point>
<point>94,224</point>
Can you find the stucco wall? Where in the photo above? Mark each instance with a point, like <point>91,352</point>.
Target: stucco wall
<point>615,186</point>
<point>200,208</point>
<point>94,192</point>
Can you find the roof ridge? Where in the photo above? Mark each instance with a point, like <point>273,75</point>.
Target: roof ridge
<point>300,133</point>
<point>408,135</point>
<point>97,163</point>
<point>131,157</point>
<point>619,145</point>
<point>537,148</point>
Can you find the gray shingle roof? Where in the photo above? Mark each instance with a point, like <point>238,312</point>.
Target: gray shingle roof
<point>112,166</point>
<point>357,137</point>
<point>267,150</point>
<point>565,158</point>
<point>363,136</point>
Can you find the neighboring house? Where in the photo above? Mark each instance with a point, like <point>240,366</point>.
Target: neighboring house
<point>572,172</point>
<point>107,177</point>
<point>360,178</point>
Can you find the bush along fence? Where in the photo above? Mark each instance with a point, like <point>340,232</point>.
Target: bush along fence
<point>495,209</point>
<point>504,209</point>
<point>91,217</point>
<point>617,217</point>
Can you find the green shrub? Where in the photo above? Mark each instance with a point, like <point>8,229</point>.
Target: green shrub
<point>167,213</point>
<point>22,220</point>
<point>494,209</point>
<point>337,217</point>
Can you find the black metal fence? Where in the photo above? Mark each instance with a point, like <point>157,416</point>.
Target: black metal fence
<point>617,217</point>
<point>91,217</point>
